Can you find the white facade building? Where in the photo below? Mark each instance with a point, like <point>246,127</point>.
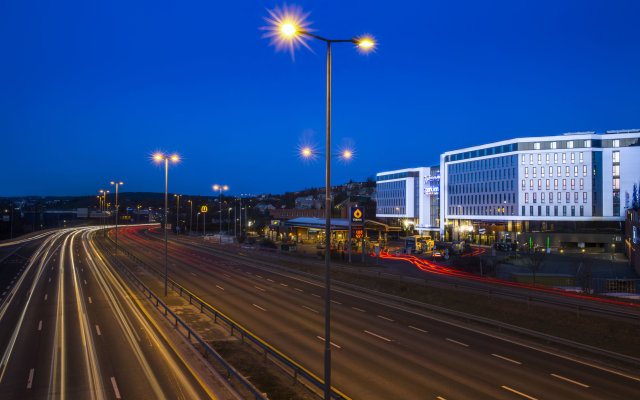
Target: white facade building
<point>411,195</point>
<point>572,177</point>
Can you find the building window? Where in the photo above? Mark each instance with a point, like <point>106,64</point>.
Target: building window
<point>553,145</point>
<point>564,211</point>
<point>547,182</point>
<point>539,158</point>
<point>524,184</point>
<point>542,172</point>
<point>555,211</point>
<point>616,156</point>
<point>564,184</point>
<point>536,146</point>
<point>581,184</point>
<point>559,197</point>
<point>616,183</point>
<point>555,158</point>
<point>550,197</point>
<point>555,184</point>
<point>535,172</point>
<point>582,211</point>
<point>547,158</point>
<point>531,210</point>
<point>573,157</point>
<point>559,171</point>
<point>523,211</point>
<point>539,184</point>
<point>584,197</point>
<point>567,171</point>
<point>550,171</point>
<point>570,144</point>
<point>581,157</point>
<point>573,211</point>
<point>616,170</point>
<point>575,170</point>
<point>575,197</point>
<point>526,197</point>
<point>530,158</point>
<point>526,172</point>
<point>548,209</point>
<point>542,197</point>
<point>564,158</point>
<point>573,184</point>
<point>584,170</point>
<point>587,143</point>
<point>568,196</point>
<point>539,211</point>
<point>535,197</point>
<point>616,142</point>
<point>522,159</point>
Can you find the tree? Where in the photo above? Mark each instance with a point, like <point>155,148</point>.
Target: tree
<point>635,202</point>
<point>534,261</point>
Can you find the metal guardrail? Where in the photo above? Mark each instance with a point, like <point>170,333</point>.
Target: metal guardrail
<point>297,371</point>
<point>159,304</point>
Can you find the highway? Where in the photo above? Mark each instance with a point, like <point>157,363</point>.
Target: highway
<point>380,350</point>
<point>71,329</point>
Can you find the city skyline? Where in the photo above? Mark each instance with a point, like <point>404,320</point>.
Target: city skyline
<point>92,92</point>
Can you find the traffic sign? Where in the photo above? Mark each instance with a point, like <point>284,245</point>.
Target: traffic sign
<point>204,209</point>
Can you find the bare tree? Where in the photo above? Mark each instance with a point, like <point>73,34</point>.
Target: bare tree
<point>534,260</point>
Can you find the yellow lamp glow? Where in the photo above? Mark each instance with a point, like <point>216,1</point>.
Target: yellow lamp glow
<point>288,29</point>
<point>306,152</point>
<point>346,154</point>
<point>216,187</point>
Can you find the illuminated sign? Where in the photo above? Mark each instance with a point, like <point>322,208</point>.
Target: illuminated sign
<point>635,235</point>
<point>431,190</point>
<point>357,234</point>
<point>357,215</point>
<point>204,209</point>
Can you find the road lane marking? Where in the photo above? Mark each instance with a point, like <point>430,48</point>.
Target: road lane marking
<point>115,387</point>
<point>259,288</point>
<point>456,342</point>
<point>520,393</point>
<point>228,276</point>
<point>49,281</point>
<point>336,302</point>
<point>506,359</point>
<point>284,284</point>
<point>311,309</point>
<point>315,295</point>
<point>40,325</point>
<point>440,398</point>
<point>299,290</point>
<point>418,329</point>
<point>258,307</point>
<point>385,318</point>
<point>98,330</point>
<point>378,336</point>
<point>270,280</point>
<point>85,281</point>
<point>358,309</point>
<point>220,287</point>
<point>45,296</point>
<point>90,301</point>
<point>333,344</point>
<point>193,274</point>
<point>569,380</point>
<point>30,380</point>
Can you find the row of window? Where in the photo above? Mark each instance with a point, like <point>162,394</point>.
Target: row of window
<point>576,196</point>
<point>547,211</point>
<point>482,210</point>
<point>567,171</point>
<point>547,185</point>
<point>493,198</point>
<point>481,187</point>
<point>548,156</point>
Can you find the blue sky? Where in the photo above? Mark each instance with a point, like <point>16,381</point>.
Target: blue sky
<point>88,90</point>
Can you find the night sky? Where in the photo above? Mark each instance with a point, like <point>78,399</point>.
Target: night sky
<point>90,89</point>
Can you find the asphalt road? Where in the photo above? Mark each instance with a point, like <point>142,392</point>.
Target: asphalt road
<point>70,329</point>
<point>380,351</point>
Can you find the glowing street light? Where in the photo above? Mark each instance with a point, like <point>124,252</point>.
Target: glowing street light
<point>117,184</point>
<point>220,188</point>
<point>161,157</point>
<point>287,31</point>
<point>177,196</point>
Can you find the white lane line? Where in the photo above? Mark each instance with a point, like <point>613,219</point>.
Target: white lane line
<point>115,387</point>
<point>45,296</point>
<point>378,336</point>
<point>569,380</point>
<point>85,281</point>
<point>336,302</point>
<point>259,288</point>
<point>259,276</point>
<point>333,344</point>
<point>227,275</point>
<point>358,309</point>
<point>385,318</point>
<point>49,279</point>
<point>456,342</point>
<point>311,309</point>
<point>90,301</point>
<point>418,329</point>
<point>284,284</point>
<point>520,393</point>
<point>315,295</point>
<point>440,398</point>
<point>270,280</point>
<point>40,325</point>
<point>98,330</point>
<point>258,307</point>
<point>193,274</point>
<point>299,290</point>
<point>30,380</point>
<point>220,287</point>
<point>507,359</point>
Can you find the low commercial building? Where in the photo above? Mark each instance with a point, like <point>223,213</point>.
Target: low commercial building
<point>632,238</point>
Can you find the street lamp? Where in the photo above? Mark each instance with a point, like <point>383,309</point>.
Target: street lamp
<point>190,216</point>
<point>177,196</point>
<point>160,157</point>
<point>103,208</point>
<point>287,30</point>
<point>117,184</point>
<point>220,189</point>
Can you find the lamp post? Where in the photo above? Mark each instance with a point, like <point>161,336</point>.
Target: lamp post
<point>104,210</point>
<point>177,196</point>
<point>174,158</point>
<point>117,185</point>
<point>197,221</point>
<point>287,28</point>
<point>190,216</point>
<point>220,188</point>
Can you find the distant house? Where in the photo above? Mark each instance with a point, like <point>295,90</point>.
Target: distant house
<point>264,206</point>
